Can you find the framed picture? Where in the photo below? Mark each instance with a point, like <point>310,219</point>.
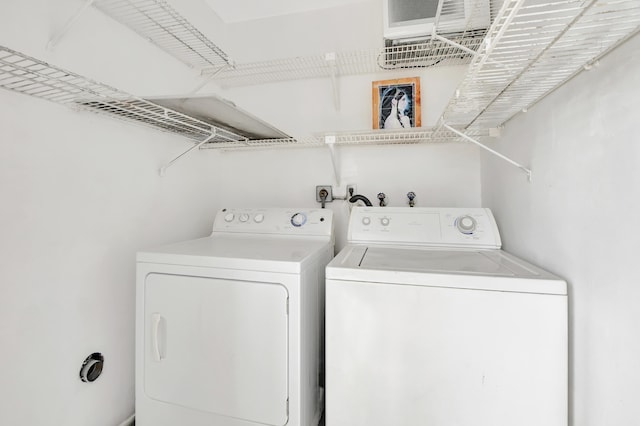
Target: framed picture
<point>396,103</point>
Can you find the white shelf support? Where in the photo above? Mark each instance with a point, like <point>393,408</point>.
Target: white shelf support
<point>53,41</point>
<point>333,70</point>
<point>454,44</point>
<point>163,169</point>
<point>437,18</point>
<point>330,141</point>
<point>486,148</point>
<point>209,77</point>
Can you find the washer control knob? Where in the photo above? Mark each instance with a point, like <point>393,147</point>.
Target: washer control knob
<point>366,220</point>
<point>466,224</point>
<point>244,217</point>
<point>229,217</point>
<point>298,219</point>
<point>384,221</point>
<point>258,218</point>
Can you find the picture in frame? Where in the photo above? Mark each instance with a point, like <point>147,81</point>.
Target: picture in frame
<point>396,103</point>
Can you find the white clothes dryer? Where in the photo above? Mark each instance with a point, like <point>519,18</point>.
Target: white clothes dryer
<point>429,322</point>
<point>229,328</point>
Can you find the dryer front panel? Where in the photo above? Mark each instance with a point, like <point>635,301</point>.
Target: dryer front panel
<point>217,345</point>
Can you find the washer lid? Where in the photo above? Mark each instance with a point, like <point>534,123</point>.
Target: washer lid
<point>246,252</point>
<point>470,269</point>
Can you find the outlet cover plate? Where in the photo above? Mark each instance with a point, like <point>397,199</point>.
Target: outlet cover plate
<point>329,191</point>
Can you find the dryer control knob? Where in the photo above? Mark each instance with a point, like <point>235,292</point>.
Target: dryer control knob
<point>298,219</point>
<point>244,217</point>
<point>466,224</point>
<point>258,218</point>
<point>366,220</point>
<point>384,221</point>
<point>229,217</point>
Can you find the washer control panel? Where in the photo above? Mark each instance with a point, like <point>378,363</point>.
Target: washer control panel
<point>442,227</point>
<point>275,221</point>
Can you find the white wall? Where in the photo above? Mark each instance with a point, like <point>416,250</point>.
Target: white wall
<point>577,219</point>
<point>304,108</point>
<point>352,27</point>
<point>80,194</point>
<point>440,175</point>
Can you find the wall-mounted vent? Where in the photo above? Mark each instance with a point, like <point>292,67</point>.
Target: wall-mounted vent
<point>407,19</point>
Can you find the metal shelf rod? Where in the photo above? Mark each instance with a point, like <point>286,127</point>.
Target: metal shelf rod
<point>331,62</point>
<point>330,141</point>
<point>57,37</point>
<point>163,169</point>
<point>486,148</point>
<point>454,44</point>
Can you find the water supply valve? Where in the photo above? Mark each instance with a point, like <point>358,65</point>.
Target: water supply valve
<point>381,197</point>
<point>324,194</point>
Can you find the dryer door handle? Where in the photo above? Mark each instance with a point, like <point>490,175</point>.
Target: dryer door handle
<point>158,332</point>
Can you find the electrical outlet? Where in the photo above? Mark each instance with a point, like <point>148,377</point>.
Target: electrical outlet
<point>351,190</point>
<point>329,191</point>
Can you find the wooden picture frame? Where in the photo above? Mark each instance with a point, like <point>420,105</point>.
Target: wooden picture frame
<point>396,103</point>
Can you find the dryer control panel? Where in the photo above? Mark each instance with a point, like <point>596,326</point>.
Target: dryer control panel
<point>424,226</point>
<point>308,222</point>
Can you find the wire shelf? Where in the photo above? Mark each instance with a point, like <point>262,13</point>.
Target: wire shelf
<point>413,55</point>
<point>533,48</point>
<point>30,76</point>
<point>267,143</point>
<point>158,22</point>
<point>422,135</point>
<point>418,135</point>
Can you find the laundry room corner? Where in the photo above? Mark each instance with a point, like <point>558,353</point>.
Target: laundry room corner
<point>574,218</point>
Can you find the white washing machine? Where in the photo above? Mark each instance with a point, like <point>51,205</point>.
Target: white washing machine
<point>229,328</point>
<point>429,322</point>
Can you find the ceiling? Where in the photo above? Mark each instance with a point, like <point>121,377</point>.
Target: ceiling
<point>247,10</point>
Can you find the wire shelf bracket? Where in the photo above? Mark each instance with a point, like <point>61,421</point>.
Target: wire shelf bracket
<point>163,169</point>
<point>53,41</point>
<point>333,71</point>
<point>486,148</point>
<point>330,141</point>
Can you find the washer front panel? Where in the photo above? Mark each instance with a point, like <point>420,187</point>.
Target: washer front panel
<point>413,355</point>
